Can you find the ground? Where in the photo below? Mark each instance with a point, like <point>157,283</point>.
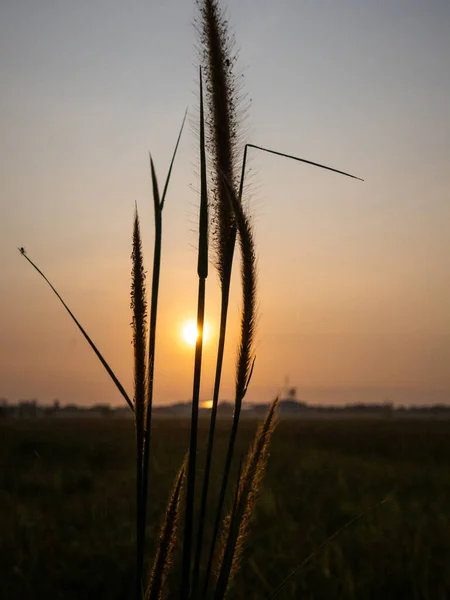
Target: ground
<point>67,508</point>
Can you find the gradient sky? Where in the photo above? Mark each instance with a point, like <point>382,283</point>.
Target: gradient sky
<point>354,277</point>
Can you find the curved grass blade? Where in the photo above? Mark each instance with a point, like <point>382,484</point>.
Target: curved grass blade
<point>315,552</point>
<point>88,339</point>
<point>202,267</point>
<point>151,353</point>
<point>166,185</point>
<point>303,160</point>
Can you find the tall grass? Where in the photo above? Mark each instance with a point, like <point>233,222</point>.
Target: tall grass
<point>202,272</point>
<point>228,217</point>
<point>236,524</point>
<point>222,213</point>
<point>139,308</point>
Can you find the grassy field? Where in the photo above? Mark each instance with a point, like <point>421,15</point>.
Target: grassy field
<point>67,508</point>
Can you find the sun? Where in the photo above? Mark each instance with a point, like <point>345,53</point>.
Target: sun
<point>190,332</point>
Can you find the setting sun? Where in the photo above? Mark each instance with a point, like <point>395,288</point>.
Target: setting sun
<point>190,332</point>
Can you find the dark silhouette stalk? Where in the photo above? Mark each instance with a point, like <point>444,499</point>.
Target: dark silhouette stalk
<point>202,270</point>
<point>303,160</point>
<point>158,205</point>
<point>222,138</point>
<point>210,446</point>
<point>245,353</point>
<point>225,297</point>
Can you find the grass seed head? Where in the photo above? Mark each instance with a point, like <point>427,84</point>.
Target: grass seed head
<point>139,308</point>
<point>222,98</point>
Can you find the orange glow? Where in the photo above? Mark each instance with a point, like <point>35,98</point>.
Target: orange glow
<point>190,332</point>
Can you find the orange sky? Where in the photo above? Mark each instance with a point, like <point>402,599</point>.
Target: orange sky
<point>354,288</point>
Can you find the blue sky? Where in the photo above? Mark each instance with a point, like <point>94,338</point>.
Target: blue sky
<point>354,277</point>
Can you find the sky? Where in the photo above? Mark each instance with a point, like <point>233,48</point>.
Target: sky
<point>354,286</point>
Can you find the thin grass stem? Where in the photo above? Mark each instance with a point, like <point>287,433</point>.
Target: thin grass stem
<point>225,292</point>
<point>169,173</point>
<point>245,356</point>
<point>211,436</point>
<point>202,270</point>
<point>158,204</point>
<point>303,160</point>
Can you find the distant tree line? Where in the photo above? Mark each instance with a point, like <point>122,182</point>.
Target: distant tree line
<point>289,407</point>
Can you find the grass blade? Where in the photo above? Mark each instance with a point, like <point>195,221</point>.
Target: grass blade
<point>211,435</point>
<point>86,336</point>
<point>158,205</point>
<point>166,185</point>
<point>315,552</point>
<point>202,269</point>
<point>151,350</point>
<point>303,160</point>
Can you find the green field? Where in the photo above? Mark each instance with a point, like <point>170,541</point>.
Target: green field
<point>67,508</point>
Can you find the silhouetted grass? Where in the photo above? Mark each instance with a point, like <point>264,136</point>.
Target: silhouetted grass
<point>228,222</point>
<point>139,308</point>
<point>81,328</point>
<point>247,488</point>
<point>202,272</point>
<point>228,218</point>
